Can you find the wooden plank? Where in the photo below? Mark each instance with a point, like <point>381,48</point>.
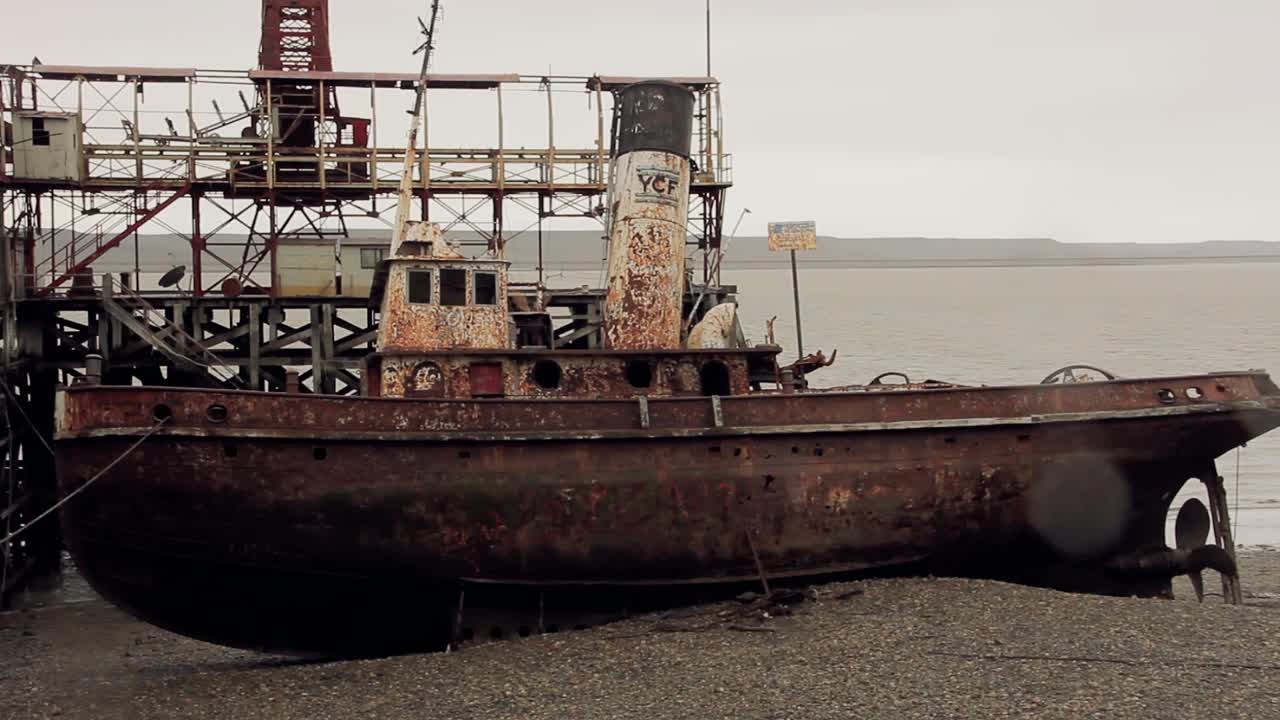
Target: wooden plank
<point>317,349</point>
<point>255,347</point>
<point>326,340</point>
<point>290,337</point>
<point>177,317</point>
<point>351,342</point>
<point>198,313</point>
<point>234,333</point>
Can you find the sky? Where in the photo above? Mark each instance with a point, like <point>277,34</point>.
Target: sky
<point>1081,120</point>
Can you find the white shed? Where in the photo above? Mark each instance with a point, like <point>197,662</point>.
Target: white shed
<point>48,146</point>
<point>307,266</point>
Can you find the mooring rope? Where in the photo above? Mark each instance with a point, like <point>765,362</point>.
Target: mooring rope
<point>1236,512</point>
<point>87,483</point>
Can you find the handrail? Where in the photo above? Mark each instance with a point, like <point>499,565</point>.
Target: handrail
<point>230,161</point>
<point>154,318</point>
<point>73,265</point>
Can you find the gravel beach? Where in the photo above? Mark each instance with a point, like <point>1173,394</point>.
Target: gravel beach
<point>904,647</point>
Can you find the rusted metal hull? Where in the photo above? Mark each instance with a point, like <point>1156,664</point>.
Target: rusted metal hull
<point>337,525</point>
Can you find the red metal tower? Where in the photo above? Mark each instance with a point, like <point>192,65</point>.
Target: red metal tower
<point>295,35</point>
<point>295,38</point>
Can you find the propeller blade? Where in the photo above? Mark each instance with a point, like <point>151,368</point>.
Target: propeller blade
<point>1197,582</point>
<point>1212,557</point>
<point>1191,529</point>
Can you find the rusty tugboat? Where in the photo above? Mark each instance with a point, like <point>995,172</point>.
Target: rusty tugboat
<point>486,482</point>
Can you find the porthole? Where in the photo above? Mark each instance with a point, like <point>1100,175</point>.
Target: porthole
<point>162,413</point>
<point>547,374</point>
<point>216,413</point>
<point>1195,393</point>
<point>639,373</point>
<point>1166,396</point>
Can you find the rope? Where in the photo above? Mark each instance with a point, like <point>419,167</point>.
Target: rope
<point>1236,512</point>
<point>87,483</point>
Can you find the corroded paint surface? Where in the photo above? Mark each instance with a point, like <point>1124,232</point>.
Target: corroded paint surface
<point>89,408</point>
<point>322,491</point>
<point>649,208</point>
<point>409,326</point>
<point>716,329</point>
<point>595,375</point>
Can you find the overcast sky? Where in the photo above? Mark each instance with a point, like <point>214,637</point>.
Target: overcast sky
<point>1083,120</point>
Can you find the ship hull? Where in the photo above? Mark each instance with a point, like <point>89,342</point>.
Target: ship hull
<point>320,525</point>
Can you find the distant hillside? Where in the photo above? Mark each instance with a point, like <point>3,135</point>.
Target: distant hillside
<point>920,251</point>
<point>585,250</point>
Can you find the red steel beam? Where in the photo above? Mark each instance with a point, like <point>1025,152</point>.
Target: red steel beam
<point>113,242</point>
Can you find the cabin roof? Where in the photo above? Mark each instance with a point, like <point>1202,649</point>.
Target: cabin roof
<point>114,73</point>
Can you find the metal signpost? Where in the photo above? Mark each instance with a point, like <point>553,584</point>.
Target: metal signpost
<point>793,236</point>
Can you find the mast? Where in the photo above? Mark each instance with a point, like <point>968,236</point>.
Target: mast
<point>410,151</point>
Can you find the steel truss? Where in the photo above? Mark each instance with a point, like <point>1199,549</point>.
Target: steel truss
<point>243,190</point>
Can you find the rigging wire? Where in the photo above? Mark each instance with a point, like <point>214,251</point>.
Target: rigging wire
<point>9,538</point>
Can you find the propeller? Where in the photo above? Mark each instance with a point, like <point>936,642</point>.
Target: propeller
<point>1191,532</point>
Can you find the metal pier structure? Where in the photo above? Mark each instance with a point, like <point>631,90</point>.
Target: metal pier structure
<point>277,185</point>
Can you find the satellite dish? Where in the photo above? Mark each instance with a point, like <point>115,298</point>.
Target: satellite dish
<point>173,277</point>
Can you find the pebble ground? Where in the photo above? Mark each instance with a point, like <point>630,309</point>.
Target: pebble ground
<point>893,648</point>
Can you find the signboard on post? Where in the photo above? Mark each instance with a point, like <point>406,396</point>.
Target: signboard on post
<point>793,236</point>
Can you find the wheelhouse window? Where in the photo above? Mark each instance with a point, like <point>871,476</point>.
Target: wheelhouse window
<point>39,134</point>
<point>453,287</point>
<point>370,257</point>
<point>419,285</point>
<point>486,288</point>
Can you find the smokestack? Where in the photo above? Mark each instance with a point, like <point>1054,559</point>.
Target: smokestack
<point>649,206</point>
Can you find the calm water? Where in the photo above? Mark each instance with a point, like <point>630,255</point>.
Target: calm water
<point>1015,325</point>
